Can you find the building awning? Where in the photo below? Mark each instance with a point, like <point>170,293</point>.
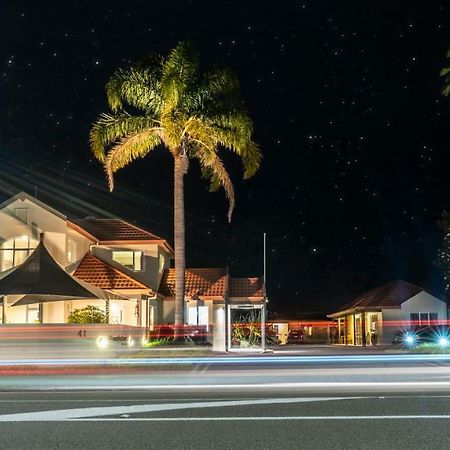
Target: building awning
<point>41,279</point>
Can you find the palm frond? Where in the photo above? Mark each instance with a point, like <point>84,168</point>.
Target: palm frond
<point>128,149</point>
<point>109,128</point>
<point>214,170</point>
<point>138,87</point>
<point>179,70</point>
<point>445,72</point>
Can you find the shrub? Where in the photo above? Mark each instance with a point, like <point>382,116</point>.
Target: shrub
<point>89,314</point>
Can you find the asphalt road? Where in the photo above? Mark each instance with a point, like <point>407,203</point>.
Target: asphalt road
<point>344,404</point>
<point>218,420</point>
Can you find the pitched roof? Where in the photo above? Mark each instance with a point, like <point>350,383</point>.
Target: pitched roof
<point>95,271</point>
<point>389,295</point>
<point>104,230</point>
<point>246,287</point>
<point>24,196</point>
<point>199,282</point>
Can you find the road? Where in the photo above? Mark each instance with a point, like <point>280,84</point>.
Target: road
<point>339,404</point>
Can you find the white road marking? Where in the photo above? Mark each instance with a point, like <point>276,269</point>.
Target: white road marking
<point>79,413</point>
<point>263,418</point>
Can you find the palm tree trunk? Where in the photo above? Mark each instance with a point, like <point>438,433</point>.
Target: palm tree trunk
<point>180,168</point>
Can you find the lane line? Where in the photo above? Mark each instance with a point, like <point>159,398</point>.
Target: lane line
<point>265,418</point>
<point>77,413</point>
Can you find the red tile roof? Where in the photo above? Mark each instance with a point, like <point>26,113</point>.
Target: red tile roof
<point>199,282</point>
<point>246,287</point>
<point>113,230</point>
<point>390,295</point>
<point>95,271</point>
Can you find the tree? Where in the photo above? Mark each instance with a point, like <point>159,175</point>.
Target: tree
<point>88,314</point>
<point>443,261</point>
<point>445,72</point>
<point>170,102</point>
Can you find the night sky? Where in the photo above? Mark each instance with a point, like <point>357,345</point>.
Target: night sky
<point>345,98</point>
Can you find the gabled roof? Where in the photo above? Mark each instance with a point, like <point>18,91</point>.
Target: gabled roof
<point>247,287</point>
<point>390,295</point>
<point>104,230</point>
<point>98,273</point>
<point>24,196</point>
<point>199,282</point>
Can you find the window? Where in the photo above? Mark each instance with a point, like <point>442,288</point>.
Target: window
<point>129,259</point>
<point>424,318</point>
<point>15,251</point>
<point>71,250</point>
<point>433,318</point>
<point>21,215</point>
<point>161,262</point>
<point>198,315</point>
<point>414,318</point>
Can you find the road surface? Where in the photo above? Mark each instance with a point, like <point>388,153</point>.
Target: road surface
<point>384,404</point>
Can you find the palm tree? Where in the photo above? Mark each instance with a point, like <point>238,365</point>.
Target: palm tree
<point>190,112</point>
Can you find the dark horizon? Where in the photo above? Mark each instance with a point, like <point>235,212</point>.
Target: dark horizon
<point>347,110</point>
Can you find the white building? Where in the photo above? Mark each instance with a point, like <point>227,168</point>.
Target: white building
<point>375,317</point>
<point>131,266</point>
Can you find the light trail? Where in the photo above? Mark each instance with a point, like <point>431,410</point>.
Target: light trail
<point>224,360</point>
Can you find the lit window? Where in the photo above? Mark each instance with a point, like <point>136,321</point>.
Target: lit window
<point>15,251</point>
<point>130,260</point>
<point>161,262</point>
<point>71,250</point>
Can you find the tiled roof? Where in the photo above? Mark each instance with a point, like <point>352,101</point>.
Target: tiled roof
<point>113,230</point>
<point>390,295</point>
<point>199,282</point>
<point>94,271</point>
<point>246,287</point>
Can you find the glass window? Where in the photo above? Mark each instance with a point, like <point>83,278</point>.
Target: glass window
<point>129,259</point>
<point>414,317</point>
<point>161,262</point>
<point>15,251</point>
<point>434,318</point>
<point>424,320</point>
<point>71,251</point>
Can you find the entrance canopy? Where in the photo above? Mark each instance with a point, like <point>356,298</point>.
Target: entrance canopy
<point>40,279</point>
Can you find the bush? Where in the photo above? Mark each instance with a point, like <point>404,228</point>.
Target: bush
<point>157,342</point>
<point>89,314</point>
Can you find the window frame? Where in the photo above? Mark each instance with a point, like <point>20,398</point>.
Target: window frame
<point>15,250</point>
<point>135,258</point>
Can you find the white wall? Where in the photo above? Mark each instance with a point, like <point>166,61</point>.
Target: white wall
<point>391,324</point>
<point>396,319</point>
<point>425,303</point>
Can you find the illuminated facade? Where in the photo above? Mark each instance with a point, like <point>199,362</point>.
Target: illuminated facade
<point>116,257</point>
<point>375,317</point>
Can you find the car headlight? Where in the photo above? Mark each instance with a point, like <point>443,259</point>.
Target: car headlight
<point>443,341</point>
<point>102,342</point>
<point>410,339</point>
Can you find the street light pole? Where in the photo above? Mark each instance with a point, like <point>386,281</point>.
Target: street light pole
<point>263,308</point>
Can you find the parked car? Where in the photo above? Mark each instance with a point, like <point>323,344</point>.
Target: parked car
<point>295,337</point>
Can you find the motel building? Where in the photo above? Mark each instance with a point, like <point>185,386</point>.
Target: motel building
<point>51,265</point>
<point>375,317</point>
